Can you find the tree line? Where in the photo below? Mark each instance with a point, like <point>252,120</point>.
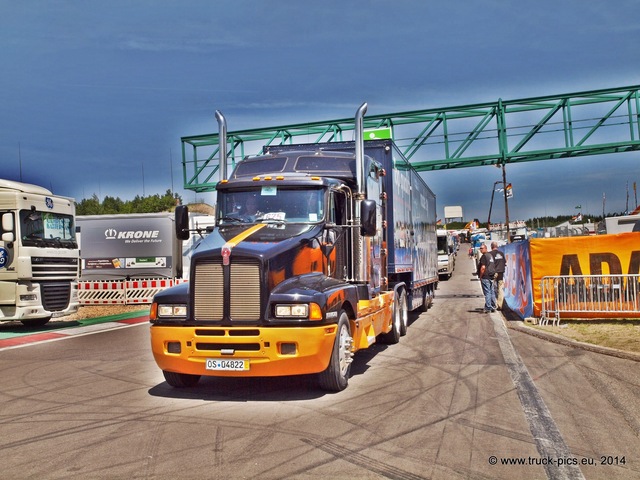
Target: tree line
<point>167,202</point>
<point>110,205</point>
<point>541,222</point>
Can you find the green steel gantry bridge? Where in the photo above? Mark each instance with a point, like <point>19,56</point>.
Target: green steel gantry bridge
<point>497,133</point>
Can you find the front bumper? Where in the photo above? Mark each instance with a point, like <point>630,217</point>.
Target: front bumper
<point>273,351</point>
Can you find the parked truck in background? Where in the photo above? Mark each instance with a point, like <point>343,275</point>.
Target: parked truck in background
<point>341,246</point>
<point>38,254</point>
<point>446,254</point>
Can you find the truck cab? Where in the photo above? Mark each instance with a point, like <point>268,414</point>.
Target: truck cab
<point>446,255</point>
<point>39,254</point>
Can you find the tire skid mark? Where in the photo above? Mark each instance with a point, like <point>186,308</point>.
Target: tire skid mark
<point>152,448</point>
<point>218,448</point>
<point>495,430</point>
<point>606,390</point>
<point>360,460</point>
<point>549,441</point>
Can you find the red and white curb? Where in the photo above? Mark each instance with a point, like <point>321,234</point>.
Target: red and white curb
<point>70,332</point>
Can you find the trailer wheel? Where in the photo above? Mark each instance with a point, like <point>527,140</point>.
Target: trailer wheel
<point>427,299</point>
<point>181,380</point>
<point>336,377</point>
<point>397,320</point>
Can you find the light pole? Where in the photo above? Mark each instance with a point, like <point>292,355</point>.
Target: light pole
<point>493,191</point>
<point>506,202</point>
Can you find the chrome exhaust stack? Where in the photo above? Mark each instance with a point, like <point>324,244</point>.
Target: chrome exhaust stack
<point>222,144</point>
<point>359,133</point>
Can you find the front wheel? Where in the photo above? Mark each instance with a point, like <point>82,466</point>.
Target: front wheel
<point>181,380</point>
<point>336,377</point>
<point>398,319</point>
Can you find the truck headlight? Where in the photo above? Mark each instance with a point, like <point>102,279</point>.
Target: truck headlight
<point>298,310</point>
<point>172,311</point>
<point>310,311</point>
<point>167,311</point>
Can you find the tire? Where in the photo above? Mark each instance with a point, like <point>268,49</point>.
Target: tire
<point>181,380</point>
<point>404,313</point>
<point>397,320</point>
<point>336,377</point>
<point>35,322</point>
<point>426,300</point>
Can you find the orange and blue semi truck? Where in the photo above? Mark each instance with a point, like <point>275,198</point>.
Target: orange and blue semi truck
<point>319,250</point>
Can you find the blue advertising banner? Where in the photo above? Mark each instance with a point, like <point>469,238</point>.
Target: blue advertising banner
<point>518,291</point>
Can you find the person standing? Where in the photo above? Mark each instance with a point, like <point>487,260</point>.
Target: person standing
<point>486,272</point>
<point>500,264</point>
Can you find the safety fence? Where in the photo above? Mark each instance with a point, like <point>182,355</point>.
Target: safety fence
<point>122,292</point>
<point>589,296</point>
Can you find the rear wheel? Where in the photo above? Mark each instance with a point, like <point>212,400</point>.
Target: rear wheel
<point>336,377</point>
<point>181,380</point>
<point>427,299</point>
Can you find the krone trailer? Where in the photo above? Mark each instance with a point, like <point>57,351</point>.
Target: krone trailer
<point>318,251</point>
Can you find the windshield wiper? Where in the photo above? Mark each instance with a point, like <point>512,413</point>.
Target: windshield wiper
<point>33,241</point>
<point>232,219</point>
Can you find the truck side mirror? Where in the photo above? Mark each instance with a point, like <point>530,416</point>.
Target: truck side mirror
<point>182,222</point>
<point>8,228</point>
<point>368,227</point>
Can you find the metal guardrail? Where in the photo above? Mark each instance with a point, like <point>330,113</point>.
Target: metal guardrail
<point>578,295</point>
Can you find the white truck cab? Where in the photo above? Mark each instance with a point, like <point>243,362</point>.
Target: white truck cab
<point>446,255</point>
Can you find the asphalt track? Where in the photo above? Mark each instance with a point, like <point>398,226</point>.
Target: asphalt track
<point>461,396</point>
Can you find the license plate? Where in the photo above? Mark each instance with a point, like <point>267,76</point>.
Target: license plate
<point>229,365</point>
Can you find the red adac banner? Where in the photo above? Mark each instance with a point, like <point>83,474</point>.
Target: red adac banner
<point>590,255</point>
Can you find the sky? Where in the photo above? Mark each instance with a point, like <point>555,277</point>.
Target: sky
<point>95,96</point>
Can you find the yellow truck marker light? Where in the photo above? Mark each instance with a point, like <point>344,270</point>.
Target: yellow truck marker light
<point>315,312</point>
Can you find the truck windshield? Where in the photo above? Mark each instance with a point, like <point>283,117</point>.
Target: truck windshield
<point>47,229</point>
<point>442,246</point>
<point>271,204</point>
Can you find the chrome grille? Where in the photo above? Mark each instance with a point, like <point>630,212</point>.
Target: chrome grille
<point>208,291</point>
<point>54,268</point>
<point>244,290</point>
